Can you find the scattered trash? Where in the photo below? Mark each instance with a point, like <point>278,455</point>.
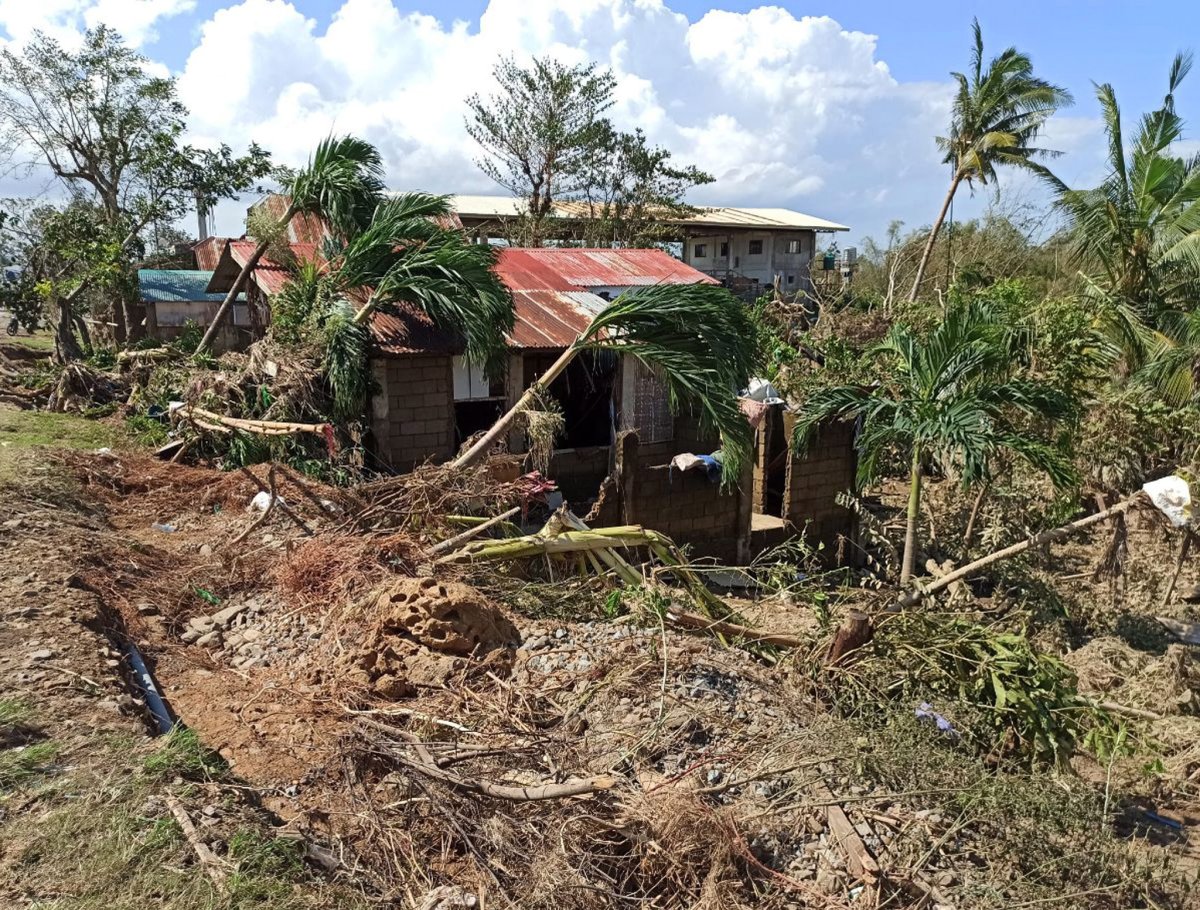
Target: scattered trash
<point>926,712</point>
<point>687,462</point>
<point>762,390</point>
<point>106,452</point>
<point>262,501</point>
<point>165,528</point>
<point>207,596</point>
<point>1172,496</point>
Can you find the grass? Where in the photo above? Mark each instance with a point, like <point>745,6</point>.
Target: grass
<point>20,759</point>
<point>24,431</point>
<point>182,754</point>
<point>42,342</point>
<point>106,840</point>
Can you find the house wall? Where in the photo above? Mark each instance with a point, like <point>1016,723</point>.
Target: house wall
<point>412,414</point>
<point>763,267</point>
<point>686,506</point>
<point>167,320</point>
<point>813,482</point>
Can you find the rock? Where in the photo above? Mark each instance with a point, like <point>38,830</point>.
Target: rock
<point>42,654</point>
<point>190,635</point>
<point>211,640</point>
<point>448,897</point>
<point>251,635</point>
<point>392,687</point>
<point>223,618</point>
<point>202,624</point>
<point>205,550</point>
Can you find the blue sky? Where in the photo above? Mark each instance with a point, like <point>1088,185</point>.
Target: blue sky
<point>785,110</point>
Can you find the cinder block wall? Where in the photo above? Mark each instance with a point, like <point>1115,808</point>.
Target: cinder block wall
<point>579,472</point>
<point>684,506</point>
<point>412,413</point>
<point>814,480</point>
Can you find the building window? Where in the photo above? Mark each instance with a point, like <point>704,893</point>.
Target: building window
<point>724,250</point>
<point>755,248</point>
<point>791,279</point>
<point>793,246</point>
<point>700,250</point>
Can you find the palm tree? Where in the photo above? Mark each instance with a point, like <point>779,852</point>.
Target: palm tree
<point>1138,235</point>
<point>342,183</point>
<point>698,339</point>
<point>997,113</point>
<point>952,394</point>
<point>403,256</point>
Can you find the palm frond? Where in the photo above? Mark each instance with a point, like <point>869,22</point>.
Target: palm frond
<point>700,342</point>
<point>343,182</point>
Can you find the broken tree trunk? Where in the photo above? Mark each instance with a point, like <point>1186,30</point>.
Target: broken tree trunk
<point>909,598</point>
<point>856,632</point>
<point>474,454</point>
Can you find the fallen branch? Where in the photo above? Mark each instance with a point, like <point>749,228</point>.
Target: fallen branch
<point>909,598</point>
<point>210,420</point>
<point>733,630</point>
<point>209,860</point>
<point>258,522</point>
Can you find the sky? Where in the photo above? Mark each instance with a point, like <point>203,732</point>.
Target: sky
<point>830,109</point>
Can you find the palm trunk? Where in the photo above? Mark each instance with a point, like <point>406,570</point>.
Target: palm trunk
<point>933,233</point>
<point>366,310</point>
<point>970,531</point>
<point>239,285</point>
<point>500,427</point>
<point>914,510</point>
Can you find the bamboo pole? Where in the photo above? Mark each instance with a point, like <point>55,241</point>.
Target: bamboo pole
<point>454,542</point>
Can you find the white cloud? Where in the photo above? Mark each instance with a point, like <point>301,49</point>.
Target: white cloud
<point>782,110</point>
<point>64,19</point>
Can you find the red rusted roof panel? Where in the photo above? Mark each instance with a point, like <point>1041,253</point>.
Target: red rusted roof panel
<point>577,269</point>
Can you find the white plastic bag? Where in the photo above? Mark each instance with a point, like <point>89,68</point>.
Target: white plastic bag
<point>1172,496</point>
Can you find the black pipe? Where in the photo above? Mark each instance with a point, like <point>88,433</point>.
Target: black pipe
<point>145,682</point>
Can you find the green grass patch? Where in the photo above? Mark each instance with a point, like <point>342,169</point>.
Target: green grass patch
<point>182,754</point>
<point>23,432</point>
<point>42,342</point>
<point>20,764</point>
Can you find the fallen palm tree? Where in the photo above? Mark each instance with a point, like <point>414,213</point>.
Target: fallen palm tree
<point>219,423</point>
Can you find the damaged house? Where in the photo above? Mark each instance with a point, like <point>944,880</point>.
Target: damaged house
<point>618,451</point>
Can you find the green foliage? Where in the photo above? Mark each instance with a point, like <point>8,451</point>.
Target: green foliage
<point>182,754</point>
<point>1014,700</point>
<point>342,182</point>
<point>951,393</point>
<point>699,341</point>
<point>346,348</point>
<point>267,867</point>
<point>539,130</point>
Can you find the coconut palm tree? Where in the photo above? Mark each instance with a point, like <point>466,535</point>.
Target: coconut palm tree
<point>952,395</point>
<point>697,338</point>
<point>342,183</point>
<point>405,255</point>
<point>998,112</point>
<point>1137,237</point>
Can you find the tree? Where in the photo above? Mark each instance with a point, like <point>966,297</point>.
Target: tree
<point>997,114</point>
<point>629,187</point>
<point>404,256</point>
<point>342,183</point>
<point>112,133</point>
<point>538,129</point>
<point>1137,235</point>
<point>697,338</point>
<point>951,394</point>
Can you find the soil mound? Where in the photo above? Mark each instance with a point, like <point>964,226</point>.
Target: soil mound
<point>424,629</point>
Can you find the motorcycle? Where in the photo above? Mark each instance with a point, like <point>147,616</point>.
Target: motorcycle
<point>14,326</point>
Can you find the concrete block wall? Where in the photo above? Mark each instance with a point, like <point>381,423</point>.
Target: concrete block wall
<point>813,482</point>
<point>683,505</point>
<point>579,473</point>
<point>412,414</point>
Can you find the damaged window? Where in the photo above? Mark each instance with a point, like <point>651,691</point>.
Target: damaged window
<point>584,391</point>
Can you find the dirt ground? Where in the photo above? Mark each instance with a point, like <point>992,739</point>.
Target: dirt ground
<point>385,733</point>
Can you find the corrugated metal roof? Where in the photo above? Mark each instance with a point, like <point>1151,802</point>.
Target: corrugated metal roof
<point>566,269</point>
<point>551,299</point>
<point>183,285</point>
<point>505,207</point>
<point>269,276</point>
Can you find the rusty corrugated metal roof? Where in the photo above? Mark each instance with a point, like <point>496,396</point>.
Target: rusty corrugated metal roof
<point>563,268</point>
<point>551,299</point>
